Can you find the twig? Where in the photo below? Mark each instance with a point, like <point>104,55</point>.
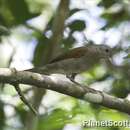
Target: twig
<point>24,92</point>
<point>17,88</point>
<point>64,87</point>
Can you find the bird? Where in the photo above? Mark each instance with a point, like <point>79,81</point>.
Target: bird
<point>75,61</point>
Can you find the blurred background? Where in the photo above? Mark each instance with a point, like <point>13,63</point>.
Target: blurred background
<point>32,32</point>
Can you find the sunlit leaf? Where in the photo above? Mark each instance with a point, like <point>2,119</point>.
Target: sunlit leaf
<point>107,3</point>
<point>77,25</point>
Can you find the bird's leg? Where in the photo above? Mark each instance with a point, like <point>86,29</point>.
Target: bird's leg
<point>71,77</point>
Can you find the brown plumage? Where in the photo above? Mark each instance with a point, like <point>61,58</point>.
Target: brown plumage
<point>76,60</point>
<point>74,53</point>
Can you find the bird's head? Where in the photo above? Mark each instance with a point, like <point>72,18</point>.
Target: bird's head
<point>102,51</point>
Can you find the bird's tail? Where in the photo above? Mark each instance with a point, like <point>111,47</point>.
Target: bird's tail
<point>48,69</point>
<point>40,70</point>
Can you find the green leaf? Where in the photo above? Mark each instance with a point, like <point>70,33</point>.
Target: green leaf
<point>107,114</point>
<point>20,11</point>
<point>15,12</point>
<point>4,31</point>
<point>68,42</point>
<point>121,88</point>
<point>127,57</point>
<point>107,3</point>
<point>54,121</point>
<point>77,25</point>
<point>115,18</point>
<point>21,112</point>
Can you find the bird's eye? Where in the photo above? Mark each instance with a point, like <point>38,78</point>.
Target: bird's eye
<point>106,50</point>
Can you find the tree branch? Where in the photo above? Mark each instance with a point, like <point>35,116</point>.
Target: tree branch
<point>64,87</point>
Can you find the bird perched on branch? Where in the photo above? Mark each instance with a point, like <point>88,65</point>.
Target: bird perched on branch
<point>75,61</point>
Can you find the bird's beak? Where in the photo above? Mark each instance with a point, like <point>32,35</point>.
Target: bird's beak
<point>110,59</point>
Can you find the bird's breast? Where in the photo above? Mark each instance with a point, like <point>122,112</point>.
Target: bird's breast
<point>72,65</point>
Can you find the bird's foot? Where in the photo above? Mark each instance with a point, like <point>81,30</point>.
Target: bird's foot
<point>72,79</point>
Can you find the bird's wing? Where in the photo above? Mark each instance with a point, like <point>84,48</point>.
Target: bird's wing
<point>74,53</point>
